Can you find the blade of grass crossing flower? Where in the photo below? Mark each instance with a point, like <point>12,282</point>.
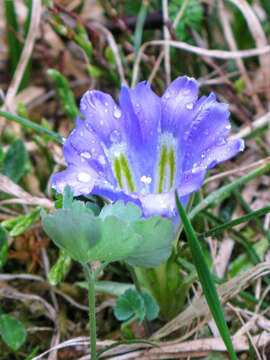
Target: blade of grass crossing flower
<point>206,279</point>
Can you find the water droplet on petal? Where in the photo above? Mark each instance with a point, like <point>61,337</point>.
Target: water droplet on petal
<point>167,95</point>
<point>221,141</point>
<point>83,106</point>
<point>115,136</point>
<point>203,155</point>
<point>117,112</point>
<point>105,110</point>
<point>189,106</point>
<point>101,160</point>
<point>146,179</point>
<point>228,127</point>
<point>83,177</point>
<point>106,104</point>
<point>206,132</point>
<point>85,155</point>
<point>81,133</point>
<point>101,122</point>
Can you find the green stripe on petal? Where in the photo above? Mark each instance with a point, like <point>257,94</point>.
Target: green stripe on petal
<point>166,169</point>
<point>117,170</point>
<point>126,171</point>
<point>172,167</point>
<point>162,165</point>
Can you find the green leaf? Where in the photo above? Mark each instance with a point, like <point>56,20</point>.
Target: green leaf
<point>128,213</point>
<point>60,268</point>
<point>67,198</point>
<point>151,306</point>
<point>3,246</point>
<point>129,305</point>
<point>74,230</point>
<point>65,94</point>
<point>12,331</point>
<point>206,279</point>
<point>15,160</point>
<point>155,246</point>
<point>118,240</point>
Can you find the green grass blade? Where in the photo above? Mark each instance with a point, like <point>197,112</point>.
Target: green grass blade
<point>31,125</point>
<point>206,279</point>
<point>250,216</point>
<point>14,45</point>
<point>223,192</point>
<point>240,238</point>
<point>139,27</point>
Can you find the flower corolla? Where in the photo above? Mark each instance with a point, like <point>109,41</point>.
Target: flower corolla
<point>147,146</point>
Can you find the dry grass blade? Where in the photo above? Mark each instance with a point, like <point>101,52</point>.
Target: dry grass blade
<point>225,22</point>
<point>22,197</point>
<point>258,34</point>
<point>220,54</point>
<point>9,293</point>
<point>26,53</point>
<point>199,306</point>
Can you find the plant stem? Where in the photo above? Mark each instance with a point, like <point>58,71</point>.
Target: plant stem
<point>146,324</point>
<point>31,125</point>
<point>92,310</point>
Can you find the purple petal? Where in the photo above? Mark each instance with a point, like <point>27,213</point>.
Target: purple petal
<point>103,116</point>
<point>159,204</point>
<point>80,178</point>
<point>142,109</point>
<point>83,147</point>
<point>190,182</point>
<point>220,153</point>
<point>210,126</point>
<point>177,104</point>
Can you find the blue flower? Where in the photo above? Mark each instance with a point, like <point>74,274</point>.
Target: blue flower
<point>147,146</point>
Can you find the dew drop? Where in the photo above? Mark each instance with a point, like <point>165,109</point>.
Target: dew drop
<point>228,127</point>
<point>115,136</point>
<point>81,133</point>
<point>167,95</point>
<point>117,113</point>
<point>106,103</point>
<point>83,177</point>
<point>189,106</point>
<point>85,155</point>
<point>105,110</point>
<point>203,155</point>
<point>101,160</point>
<point>101,122</point>
<point>146,179</point>
<point>206,132</point>
<point>221,141</point>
